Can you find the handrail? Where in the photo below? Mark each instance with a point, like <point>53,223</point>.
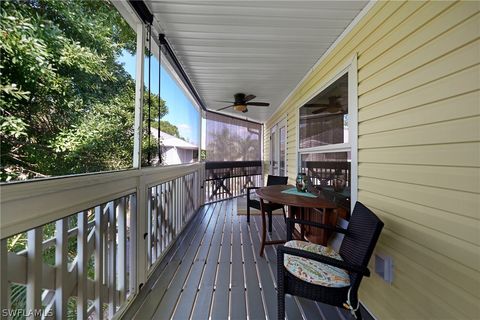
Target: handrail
<point>231,164</point>
<point>27,205</point>
<point>227,179</point>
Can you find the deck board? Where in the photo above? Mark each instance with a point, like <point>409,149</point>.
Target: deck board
<point>170,298</point>
<point>221,294</point>
<point>215,272</point>
<point>292,308</point>
<point>265,274</point>
<point>253,291</point>
<point>166,270</point>
<point>237,293</point>
<point>203,299</point>
<point>192,284</point>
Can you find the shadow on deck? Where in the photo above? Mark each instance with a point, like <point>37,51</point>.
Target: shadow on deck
<point>214,271</point>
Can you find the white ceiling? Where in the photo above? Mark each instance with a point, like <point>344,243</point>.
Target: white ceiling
<point>255,47</point>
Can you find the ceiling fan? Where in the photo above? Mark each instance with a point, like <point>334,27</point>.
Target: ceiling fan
<point>242,102</point>
<point>333,105</point>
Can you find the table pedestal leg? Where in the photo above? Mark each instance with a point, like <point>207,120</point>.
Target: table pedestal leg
<point>325,216</point>
<point>296,213</point>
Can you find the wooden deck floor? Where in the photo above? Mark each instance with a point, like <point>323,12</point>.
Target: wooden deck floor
<point>214,271</point>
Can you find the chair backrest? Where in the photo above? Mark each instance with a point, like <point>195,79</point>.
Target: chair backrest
<point>276,180</point>
<point>363,232</point>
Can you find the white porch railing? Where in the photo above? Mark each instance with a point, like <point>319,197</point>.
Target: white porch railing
<point>107,231</point>
<point>171,205</point>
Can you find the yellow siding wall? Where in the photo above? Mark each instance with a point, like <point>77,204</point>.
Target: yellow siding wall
<point>419,151</point>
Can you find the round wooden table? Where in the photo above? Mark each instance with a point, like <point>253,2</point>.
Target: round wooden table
<point>294,202</point>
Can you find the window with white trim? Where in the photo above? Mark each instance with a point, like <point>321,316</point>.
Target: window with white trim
<point>327,138</point>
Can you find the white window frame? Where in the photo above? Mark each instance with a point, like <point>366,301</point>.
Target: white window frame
<point>352,145</point>
<point>276,128</point>
<point>280,124</point>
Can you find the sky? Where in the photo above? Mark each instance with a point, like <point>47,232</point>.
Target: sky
<point>181,111</point>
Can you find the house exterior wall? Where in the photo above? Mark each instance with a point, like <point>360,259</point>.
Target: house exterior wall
<point>418,151</point>
<point>174,155</point>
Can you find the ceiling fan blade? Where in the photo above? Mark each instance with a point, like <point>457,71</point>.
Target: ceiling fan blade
<point>258,104</point>
<point>322,109</point>
<point>249,97</point>
<point>224,108</point>
<point>334,109</point>
<point>329,109</point>
<point>224,101</point>
<point>317,105</point>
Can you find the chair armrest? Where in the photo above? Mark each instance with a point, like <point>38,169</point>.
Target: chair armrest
<point>281,250</point>
<point>317,225</point>
<point>248,191</point>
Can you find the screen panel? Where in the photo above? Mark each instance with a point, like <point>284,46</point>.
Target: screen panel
<point>231,139</point>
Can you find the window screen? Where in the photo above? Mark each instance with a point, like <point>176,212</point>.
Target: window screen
<point>231,139</point>
<point>324,119</point>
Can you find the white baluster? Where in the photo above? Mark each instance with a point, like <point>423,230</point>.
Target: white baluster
<point>158,238</point>
<point>177,207</point>
<point>162,215</point>
<point>149,228</point>
<point>61,264</point>
<point>112,275</point>
<point>122,249</point>
<point>169,216</point>
<point>34,272</point>
<point>99,229</point>
<point>133,236</point>
<point>153,225</point>
<point>82,261</point>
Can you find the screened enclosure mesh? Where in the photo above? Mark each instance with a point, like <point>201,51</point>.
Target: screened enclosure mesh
<point>231,139</point>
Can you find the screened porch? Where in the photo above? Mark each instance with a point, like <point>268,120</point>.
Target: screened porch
<point>132,131</point>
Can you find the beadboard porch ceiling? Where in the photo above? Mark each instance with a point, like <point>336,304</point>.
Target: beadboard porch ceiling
<point>256,47</point>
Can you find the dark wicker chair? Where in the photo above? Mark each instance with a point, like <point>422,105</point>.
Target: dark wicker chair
<point>268,206</point>
<point>356,250</point>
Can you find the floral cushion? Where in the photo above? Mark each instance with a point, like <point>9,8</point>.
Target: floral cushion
<point>315,272</point>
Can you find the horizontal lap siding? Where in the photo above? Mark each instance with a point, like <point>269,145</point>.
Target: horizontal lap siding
<point>419,151</point>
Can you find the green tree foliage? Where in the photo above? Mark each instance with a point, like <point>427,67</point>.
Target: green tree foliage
<point>167,127</point>
<point>67,105</point>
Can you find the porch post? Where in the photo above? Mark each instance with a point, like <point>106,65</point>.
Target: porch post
<point>140,207</point>
<point>138,129</point>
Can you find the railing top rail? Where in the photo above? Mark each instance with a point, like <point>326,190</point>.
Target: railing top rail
<point>232,164</point>
<point>24,206</point>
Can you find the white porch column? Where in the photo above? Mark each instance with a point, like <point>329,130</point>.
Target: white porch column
<point>137,160</point>
<point>137,143</point>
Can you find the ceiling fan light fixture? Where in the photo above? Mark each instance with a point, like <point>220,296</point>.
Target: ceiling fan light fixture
<point>242,102</point>
<point>240,107</point>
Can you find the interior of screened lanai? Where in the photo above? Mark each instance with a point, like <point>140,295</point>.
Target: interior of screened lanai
<point>374,101</point>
